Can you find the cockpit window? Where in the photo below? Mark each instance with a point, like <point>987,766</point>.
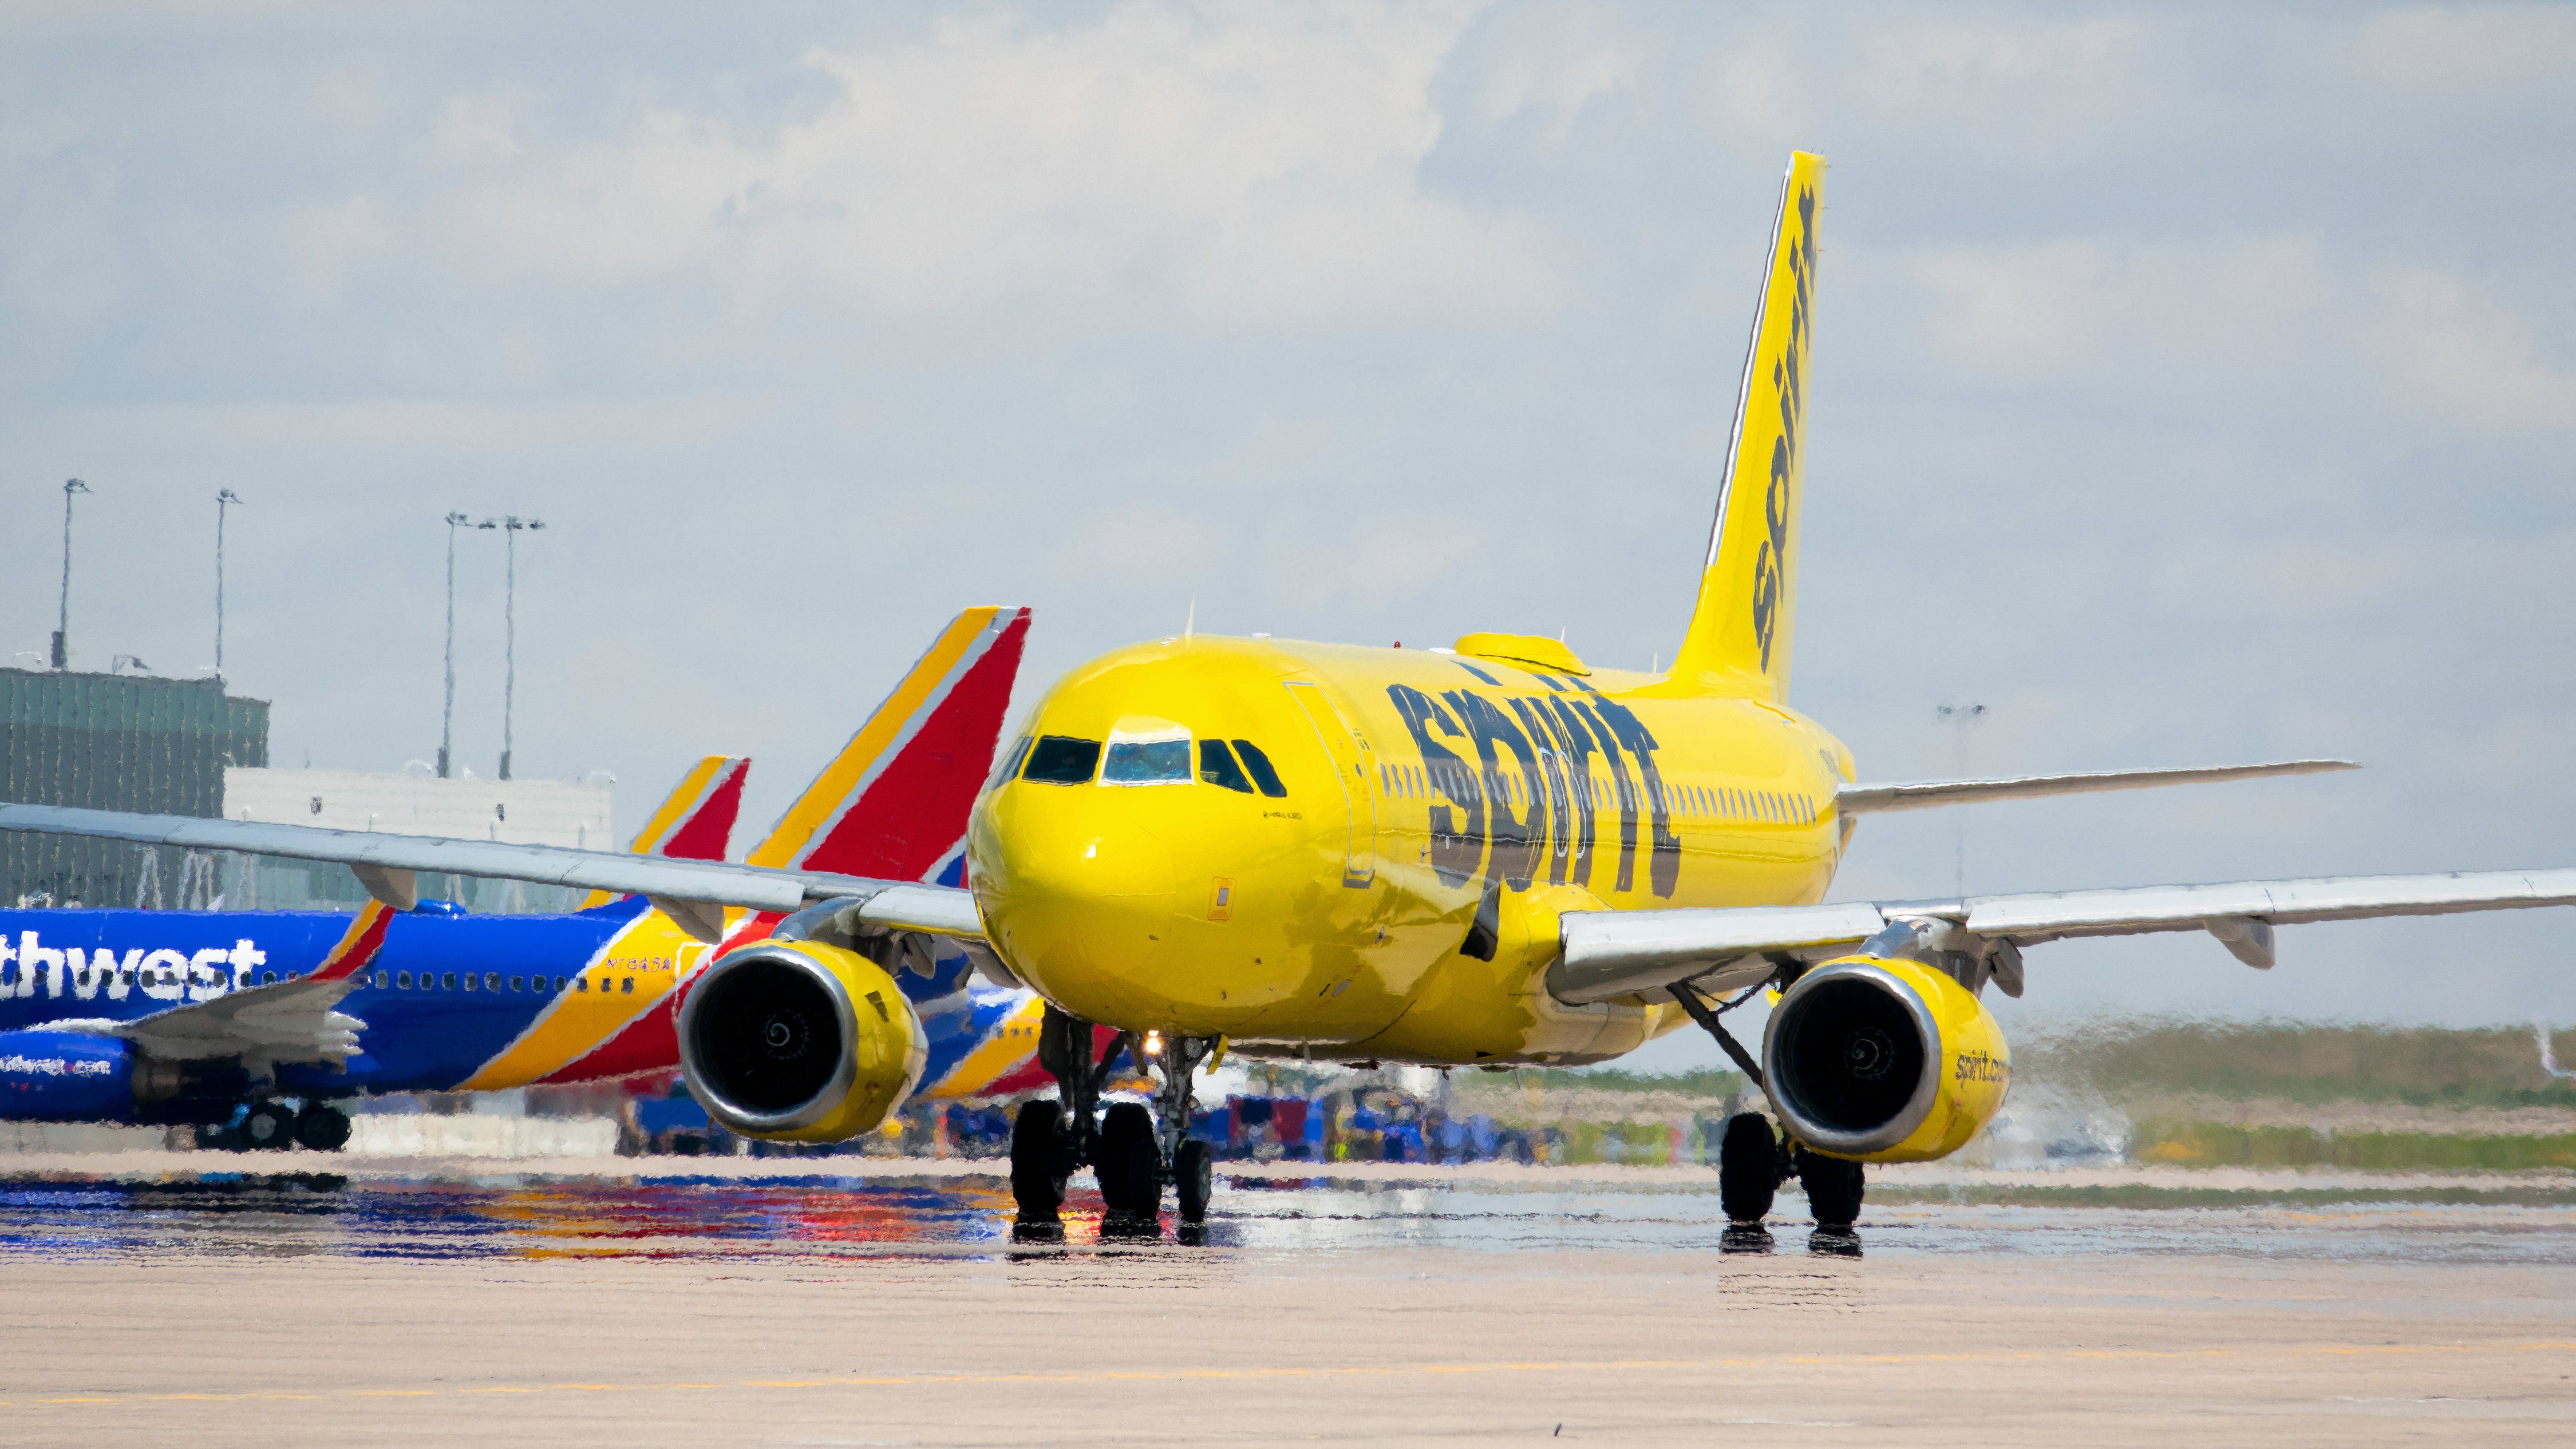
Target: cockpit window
<point>1158,756</point>
<point>1062,760</point>
<point>1217,767</point>
<point>1259,764</point>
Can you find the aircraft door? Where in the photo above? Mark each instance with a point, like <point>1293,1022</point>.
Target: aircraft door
<point>1351,770</point>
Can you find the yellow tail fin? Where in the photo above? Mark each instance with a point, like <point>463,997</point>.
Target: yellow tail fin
<point>1739,634</point>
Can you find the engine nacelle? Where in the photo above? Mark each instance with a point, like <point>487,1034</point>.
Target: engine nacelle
<point>67,1076</point>
<point>799,1041</point>
<point>1884,1061</point>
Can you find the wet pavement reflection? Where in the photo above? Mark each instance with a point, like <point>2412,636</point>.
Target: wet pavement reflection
<point>708,1219</point>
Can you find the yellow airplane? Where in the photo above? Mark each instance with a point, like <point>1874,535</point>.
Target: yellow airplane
<point>1487,855</point>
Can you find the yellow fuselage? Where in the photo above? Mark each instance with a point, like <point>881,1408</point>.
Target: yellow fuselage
<point>1422,790</point>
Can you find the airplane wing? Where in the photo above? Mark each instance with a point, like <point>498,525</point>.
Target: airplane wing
<point>693,892</point>
<point>1622,953</point>
<point>285,1021</point>
<point>1866,799</point>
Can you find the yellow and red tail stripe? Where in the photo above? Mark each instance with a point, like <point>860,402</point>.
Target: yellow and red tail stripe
<point>358,945</point>
<point>695,822</point>
<point>892,804</point>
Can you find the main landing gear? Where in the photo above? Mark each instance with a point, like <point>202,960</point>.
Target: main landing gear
<point>1753,1159</point>
<point>268,1123</point>
<point>1129,1153</point>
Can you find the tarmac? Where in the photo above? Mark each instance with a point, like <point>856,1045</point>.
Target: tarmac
<point>851,1301</point>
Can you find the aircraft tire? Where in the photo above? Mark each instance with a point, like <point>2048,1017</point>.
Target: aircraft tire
<point>1129,1165</point>
<point>1034,1183</point>
<point>1833,1189</point>
<point>1194,1180</point>
<point>1748,1167</point>
<point>322,1127</point>
<point>267,1124</point>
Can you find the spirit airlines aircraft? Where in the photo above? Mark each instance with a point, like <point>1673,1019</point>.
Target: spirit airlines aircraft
<point>177,1016</point>
<point>1490,855</point>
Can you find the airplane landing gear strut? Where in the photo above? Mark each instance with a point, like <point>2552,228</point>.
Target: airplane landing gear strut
<point>1185,1159</point>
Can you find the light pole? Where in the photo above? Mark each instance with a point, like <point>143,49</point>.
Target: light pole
<point>509,524</point>
<point>447,716</point>
<point>1962,715</point>
<point>224,499</point>
<point>63,621</point>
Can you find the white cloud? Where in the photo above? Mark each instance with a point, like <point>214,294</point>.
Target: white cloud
<point>2470,49</point>
<point>2018,309</point>
<point>1917,63</point>
<point>2467,359</point>
<point>476,129</point>
<point>1559,73</point>
<point>1255,163</point>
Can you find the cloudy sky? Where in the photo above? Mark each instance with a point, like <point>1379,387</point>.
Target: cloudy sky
<point>2193,384</point>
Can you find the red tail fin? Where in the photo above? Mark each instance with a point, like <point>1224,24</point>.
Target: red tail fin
<point>696,821</point>
<point>893,803</point>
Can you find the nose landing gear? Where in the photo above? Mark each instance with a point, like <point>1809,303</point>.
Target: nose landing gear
<point>1130,1153</point>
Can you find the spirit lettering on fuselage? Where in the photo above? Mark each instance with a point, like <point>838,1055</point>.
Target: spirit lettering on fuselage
<point>1479,838</point>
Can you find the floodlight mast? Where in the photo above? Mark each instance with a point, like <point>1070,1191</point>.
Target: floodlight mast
<point>447,716</point>
<point>63,620</point>
<point>510,524</point>
<point>224,499</point>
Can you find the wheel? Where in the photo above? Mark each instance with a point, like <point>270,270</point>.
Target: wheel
<point>268,1124</point>
<point>1748,1167</point>
<point>1193,1179</point>
<point>1035,1183</point>
<point>1128,1164</point>
<point>1833,1189</point>
<point>322,1127</point>
<point>217,1137</point>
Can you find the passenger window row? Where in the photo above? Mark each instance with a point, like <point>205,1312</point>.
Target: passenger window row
<point>1419,782</point>
<point>493,981</point>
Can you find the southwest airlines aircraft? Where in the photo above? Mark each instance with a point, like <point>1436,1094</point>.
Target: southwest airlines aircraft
<point>1487,855</point>
<point>265,1017</point>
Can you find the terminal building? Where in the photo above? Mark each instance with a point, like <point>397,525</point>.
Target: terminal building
<point>185,747</point>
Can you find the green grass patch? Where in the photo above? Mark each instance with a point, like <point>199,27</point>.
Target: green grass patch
<point>2222,1144</point>
<point>2143,1196</point>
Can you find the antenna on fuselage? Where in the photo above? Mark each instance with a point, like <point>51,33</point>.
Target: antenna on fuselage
<point>1190,625</point>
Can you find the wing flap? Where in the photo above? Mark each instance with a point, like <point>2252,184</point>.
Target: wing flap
<point>1925,794</point>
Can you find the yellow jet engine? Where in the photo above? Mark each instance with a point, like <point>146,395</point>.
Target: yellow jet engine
<point>1883,1060</point>
<point>799,1041</point>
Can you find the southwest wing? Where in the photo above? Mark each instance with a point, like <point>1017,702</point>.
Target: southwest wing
<point>296,1020</point>
<point>1622,953</point>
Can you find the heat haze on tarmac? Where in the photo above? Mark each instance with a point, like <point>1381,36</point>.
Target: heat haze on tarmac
<point>757,1303</point>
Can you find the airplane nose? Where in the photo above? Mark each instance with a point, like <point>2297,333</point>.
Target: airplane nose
<point>1073,902</point>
